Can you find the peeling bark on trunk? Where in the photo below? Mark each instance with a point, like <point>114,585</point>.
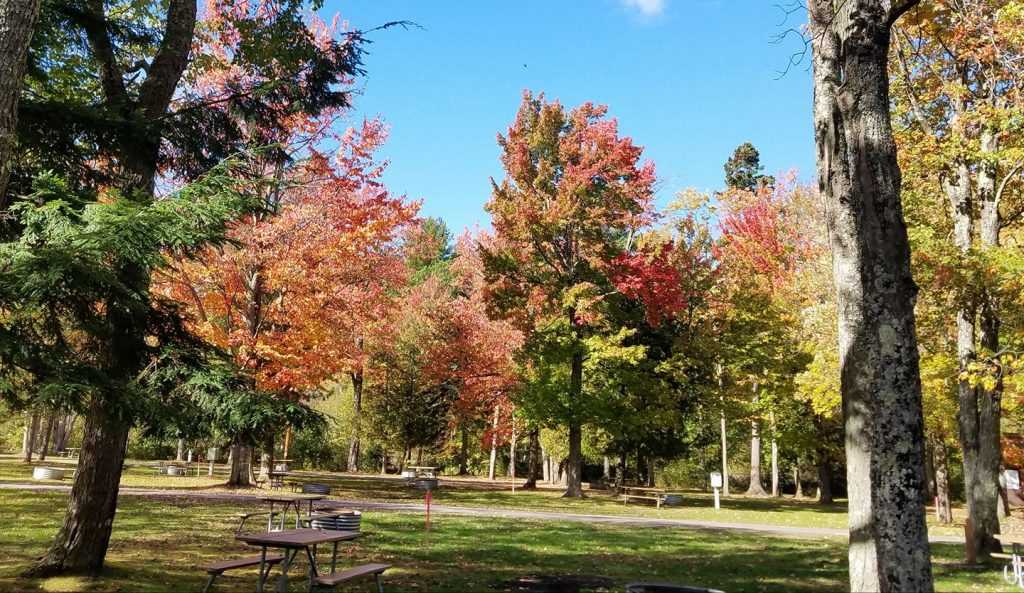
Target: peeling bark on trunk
<point>859,182</point>
<point>755,488</point>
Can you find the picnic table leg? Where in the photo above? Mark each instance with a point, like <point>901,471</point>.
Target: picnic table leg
<point>282,581</point>
<point>334,557</point>
<point>270,518</point>
<point>311,555</point>
<point>264,570</point>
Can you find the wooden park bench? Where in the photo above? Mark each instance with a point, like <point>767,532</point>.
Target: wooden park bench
<point>635,492</point>
<point>216,569</point>
<point>337,578</point>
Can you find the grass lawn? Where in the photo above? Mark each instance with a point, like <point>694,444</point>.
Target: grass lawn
<point>157,544</point>
<point>480,493</point>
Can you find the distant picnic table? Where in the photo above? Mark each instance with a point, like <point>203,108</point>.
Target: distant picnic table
<point>72,451</point>
<point>290,502</point>
<point>293,541</point>
<point>424,471</point>
<point>643,493</point>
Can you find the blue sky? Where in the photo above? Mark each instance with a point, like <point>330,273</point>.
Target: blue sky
<point>687,79</point>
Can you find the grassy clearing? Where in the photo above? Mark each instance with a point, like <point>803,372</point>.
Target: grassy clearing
<point>480,493</point>
<point>157,544</point>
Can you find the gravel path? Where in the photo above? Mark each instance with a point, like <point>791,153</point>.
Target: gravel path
<point>777,530</point>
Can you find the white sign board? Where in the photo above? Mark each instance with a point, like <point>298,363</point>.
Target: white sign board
<point>1012,478</point>
<point>716,480</point>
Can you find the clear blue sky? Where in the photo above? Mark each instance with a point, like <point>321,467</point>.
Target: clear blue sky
<point>687,79</point>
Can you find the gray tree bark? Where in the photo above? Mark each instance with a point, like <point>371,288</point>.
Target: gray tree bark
<point>29,442</point>
<point>494,443</point>
<point>721,428</point>
<point>357,411</point>
<point>44,449</point>
<point>574,463</point>
<point>943,509</point>
<point>755,488</point>
<point>180,453</point>
<point>859,182</point>
<point>534,471</point>
<point>17,22</point>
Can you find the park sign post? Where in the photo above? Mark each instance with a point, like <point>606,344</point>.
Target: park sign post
<point>716,485</point>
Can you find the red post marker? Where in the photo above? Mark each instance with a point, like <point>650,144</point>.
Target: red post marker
<point>428,510</point>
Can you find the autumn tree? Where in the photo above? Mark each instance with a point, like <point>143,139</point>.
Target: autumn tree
<point>956,76</point>
<point>573,193</point>
<point>859,182</point>
<point>104,104</point>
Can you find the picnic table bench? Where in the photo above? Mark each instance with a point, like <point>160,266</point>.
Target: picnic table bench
<point>628,493</point>
<point>215,569</point>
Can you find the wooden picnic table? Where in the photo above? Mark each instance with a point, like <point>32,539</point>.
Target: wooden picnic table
<point>293,541</point>
<point>426,471</point>
<point>644,493</point>
<point>1013,572</point>
<point>290,501</point>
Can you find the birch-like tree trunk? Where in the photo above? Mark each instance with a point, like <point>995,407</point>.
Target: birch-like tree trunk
<point>494,443</point>
<point>755,488</point>
<point>859,183</point>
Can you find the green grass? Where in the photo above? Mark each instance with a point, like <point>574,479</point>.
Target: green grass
<point>157,544</point>
<point>479,493</point>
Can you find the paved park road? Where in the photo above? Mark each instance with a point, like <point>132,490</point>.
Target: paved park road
<point>779,530</point>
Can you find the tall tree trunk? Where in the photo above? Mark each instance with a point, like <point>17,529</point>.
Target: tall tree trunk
<point>755,488</point>
<point>825,481</point>
<point>606,472</point>
<point>81,543</point>
<point>357,412</point>
<point>286,448</point>
<point>546,465</point>
<point>929,469</point>
<point>943,510</point>
<point>494,443</point>
<point>180,456</point>
<point>512,456</point>
<point>463,450</point>
<point>241,466</point>
<point>775,469</point>
<point>267,455</point>
<point>721,428</point>
<point>29,442</point>
<point>534,471</point>
<point>44,449</point>
<point>775,458</point>
<point>984,495</point>
<point>859,182</point>
<point>17,22</point>
<point>574,465</point>
<point>796,480</point>
<point>725,455</point>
